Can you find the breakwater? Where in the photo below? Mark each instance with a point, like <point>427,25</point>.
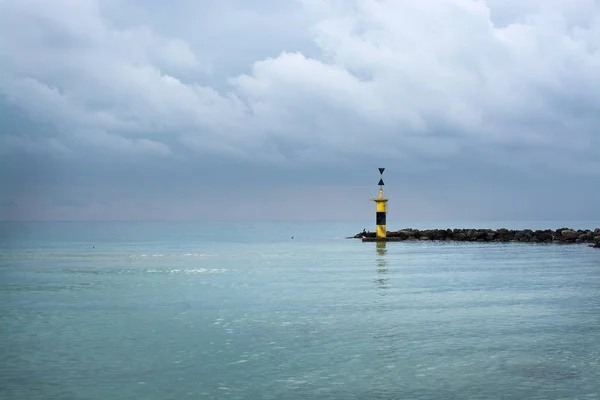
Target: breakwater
<point>562,235</point>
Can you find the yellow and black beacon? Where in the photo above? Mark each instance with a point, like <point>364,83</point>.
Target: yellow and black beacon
<point>381,209</point>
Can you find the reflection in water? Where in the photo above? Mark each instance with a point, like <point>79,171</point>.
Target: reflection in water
<point>385,337</point>
<point>381,266</point>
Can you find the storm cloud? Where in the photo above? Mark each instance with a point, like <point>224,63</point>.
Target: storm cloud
<point>137,109</point>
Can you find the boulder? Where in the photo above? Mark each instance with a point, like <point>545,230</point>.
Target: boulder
<point>562,235</point>
<point>459,236</point>
<point>523,236</point>
<point>544,236</point>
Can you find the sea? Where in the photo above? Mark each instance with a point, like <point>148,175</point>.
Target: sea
<point>293,310</point>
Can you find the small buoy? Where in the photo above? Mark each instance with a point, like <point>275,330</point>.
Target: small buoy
<point>292,237</point>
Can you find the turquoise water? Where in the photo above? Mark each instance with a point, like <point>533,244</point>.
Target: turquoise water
<point>199,311</point>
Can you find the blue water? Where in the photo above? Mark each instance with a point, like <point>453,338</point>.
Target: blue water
<point>243,311</point>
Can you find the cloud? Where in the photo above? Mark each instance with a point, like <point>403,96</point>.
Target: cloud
<point>446,86</point>
<point>394,79</point>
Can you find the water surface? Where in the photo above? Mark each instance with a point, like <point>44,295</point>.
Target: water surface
<point>183,310</point>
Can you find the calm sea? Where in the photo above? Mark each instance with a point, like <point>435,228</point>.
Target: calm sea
<point>245,311</point>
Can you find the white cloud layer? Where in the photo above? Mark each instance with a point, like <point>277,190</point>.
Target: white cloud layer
<point>515,83</point>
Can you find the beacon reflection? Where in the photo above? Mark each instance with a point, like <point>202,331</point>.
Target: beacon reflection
<point>382,269</point>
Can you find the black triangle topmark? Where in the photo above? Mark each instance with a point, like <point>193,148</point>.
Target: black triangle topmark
<point>381,182</point>
<point>381,170</point>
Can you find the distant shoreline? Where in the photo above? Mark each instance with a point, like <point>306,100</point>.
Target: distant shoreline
<point>561,236</point>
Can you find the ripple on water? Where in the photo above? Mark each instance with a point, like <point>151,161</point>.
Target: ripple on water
<point>136,271</point>
<point>333,321</point>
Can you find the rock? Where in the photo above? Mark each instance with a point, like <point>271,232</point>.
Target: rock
<point>363,234</point>
<point>544,236</point>
<point>566,235</point>
<point>523,236</point>
<point>585,237</point>
<point>562,235</point>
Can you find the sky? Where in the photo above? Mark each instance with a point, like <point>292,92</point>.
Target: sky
<point>225,110</point>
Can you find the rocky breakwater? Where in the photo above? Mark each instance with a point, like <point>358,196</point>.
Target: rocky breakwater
<point>562,235</point>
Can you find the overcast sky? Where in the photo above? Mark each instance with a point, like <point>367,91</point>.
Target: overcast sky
<point>284,109</point>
